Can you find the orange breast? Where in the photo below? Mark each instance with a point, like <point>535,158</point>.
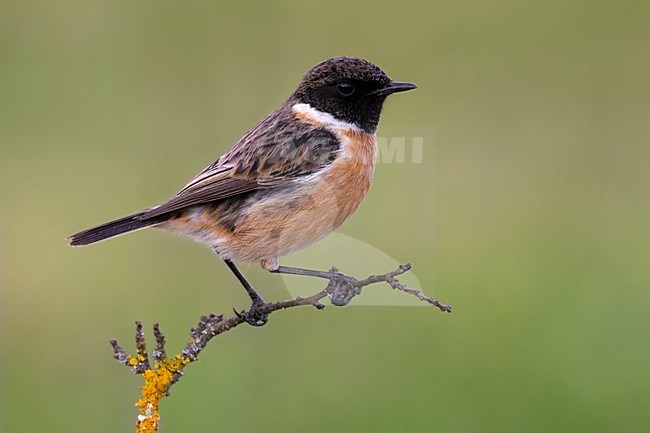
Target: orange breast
<point>292,219</point>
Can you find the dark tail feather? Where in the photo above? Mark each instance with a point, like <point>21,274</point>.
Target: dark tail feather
<point>111,229</point>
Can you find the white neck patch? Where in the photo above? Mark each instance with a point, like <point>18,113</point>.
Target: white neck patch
<point>319,117</point>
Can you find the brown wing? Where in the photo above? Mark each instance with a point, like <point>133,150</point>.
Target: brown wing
<point>274,153</point>
<point>219,186</point>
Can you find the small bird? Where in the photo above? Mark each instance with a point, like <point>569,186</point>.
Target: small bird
<point>290,181</point>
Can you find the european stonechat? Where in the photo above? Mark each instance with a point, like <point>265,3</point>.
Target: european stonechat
<point>290,181</point>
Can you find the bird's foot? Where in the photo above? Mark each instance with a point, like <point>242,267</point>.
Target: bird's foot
<point>341,288</point>
<point>253,316</point>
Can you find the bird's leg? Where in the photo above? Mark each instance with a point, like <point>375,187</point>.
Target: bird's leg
<point>328,275</point>
<point>252,317</point>
<point>341,288</point>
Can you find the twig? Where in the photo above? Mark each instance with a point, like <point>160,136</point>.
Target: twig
<point>166,371</point>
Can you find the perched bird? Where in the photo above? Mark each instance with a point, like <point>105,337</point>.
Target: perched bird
<point>291,180</point>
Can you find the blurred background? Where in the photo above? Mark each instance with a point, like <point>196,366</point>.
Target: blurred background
<point>528,214</point>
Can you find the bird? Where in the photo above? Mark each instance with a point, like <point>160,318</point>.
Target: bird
<point>291,180</point>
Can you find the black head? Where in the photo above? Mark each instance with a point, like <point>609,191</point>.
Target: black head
<point>350,89</point>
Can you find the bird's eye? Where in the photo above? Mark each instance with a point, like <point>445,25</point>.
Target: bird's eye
<point>345,88</point>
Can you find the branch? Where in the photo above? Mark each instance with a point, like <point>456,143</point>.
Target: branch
<point>166,371</point>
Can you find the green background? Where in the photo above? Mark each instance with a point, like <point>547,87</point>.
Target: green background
<point>529,214</point>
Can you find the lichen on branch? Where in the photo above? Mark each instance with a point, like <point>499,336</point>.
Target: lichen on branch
<point>166,371</point>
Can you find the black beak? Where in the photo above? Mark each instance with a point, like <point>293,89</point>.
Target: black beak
<point>393,87</point>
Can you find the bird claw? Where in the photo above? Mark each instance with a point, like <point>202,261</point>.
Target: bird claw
<point>341,290</point>
<point>253,317</point>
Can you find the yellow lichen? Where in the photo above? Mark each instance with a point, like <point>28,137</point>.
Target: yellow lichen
<point>157,381</point>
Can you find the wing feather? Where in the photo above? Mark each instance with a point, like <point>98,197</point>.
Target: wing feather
<point>277,151</point>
